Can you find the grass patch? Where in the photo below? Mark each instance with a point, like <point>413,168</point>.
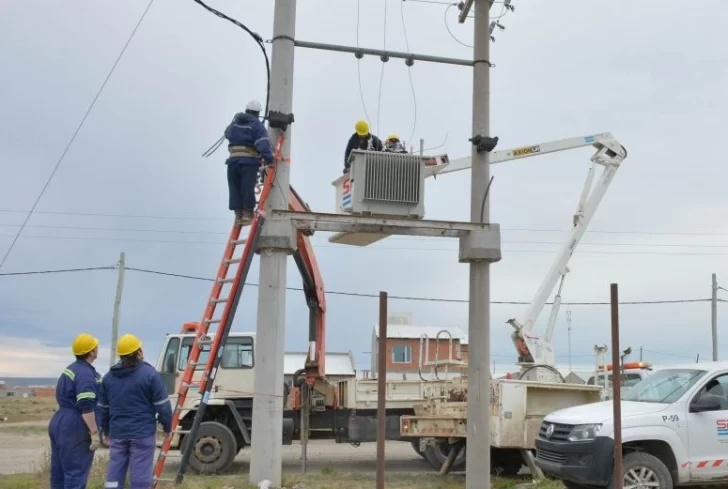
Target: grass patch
<point>26,409</point>
<point>326,478</point>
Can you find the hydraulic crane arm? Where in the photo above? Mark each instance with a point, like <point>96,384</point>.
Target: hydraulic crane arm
<point>609,154</point>
<point>313,289</point>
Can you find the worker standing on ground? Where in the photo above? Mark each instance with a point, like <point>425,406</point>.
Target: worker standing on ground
<point>248,144</point>
<point>73,429</point>
<point>133,395</point>
<point>361,139</point>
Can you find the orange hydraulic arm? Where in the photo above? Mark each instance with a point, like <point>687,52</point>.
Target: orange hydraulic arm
<point>313,288</point>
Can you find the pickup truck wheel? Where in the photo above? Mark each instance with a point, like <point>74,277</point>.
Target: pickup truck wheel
<point>644,470</point>
<point>214,449</point>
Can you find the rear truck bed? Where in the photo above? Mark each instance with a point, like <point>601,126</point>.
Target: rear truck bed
<point>517,408</point>
<point>346,414</point>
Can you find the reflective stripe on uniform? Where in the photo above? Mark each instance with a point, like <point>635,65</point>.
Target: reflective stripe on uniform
<point>161,402</point>
<point>85,395</point>
<point>69,373</point>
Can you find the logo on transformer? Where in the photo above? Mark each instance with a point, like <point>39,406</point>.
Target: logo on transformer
<point>346,194</point>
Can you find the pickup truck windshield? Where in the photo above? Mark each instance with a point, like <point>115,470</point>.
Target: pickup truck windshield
<point>664,386</point>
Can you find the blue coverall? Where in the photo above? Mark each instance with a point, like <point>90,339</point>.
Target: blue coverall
<point>76,394</point>
<point>242,171</point>
<point>131,399</point>
<point>371,143</point>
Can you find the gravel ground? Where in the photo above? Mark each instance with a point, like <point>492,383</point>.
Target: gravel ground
<point>20,453</point>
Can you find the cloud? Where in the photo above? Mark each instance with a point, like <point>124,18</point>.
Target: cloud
<point>34,358</point>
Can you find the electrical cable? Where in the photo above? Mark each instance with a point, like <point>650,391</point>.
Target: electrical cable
<point>227,220</point>
<point>73,137</point>
<point>67,270</point>
<point>358,64</point>
<point>381,248</point>
<point>409,72</point>
<point>448,27</point>
<point>259,40</point>
<point>381,76</point>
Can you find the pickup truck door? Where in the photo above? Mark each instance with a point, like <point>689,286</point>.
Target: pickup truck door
<point>708,433</point>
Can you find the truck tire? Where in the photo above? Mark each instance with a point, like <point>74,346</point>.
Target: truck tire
<point>654,471</point>
<point>416,446</point>
<point>437,454</point>
<point>214,449</point>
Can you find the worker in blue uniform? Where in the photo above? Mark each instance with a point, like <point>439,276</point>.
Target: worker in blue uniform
<point>133,398</point>
<point>361,139</point>
<point>73,428</point>
<point>248,145</point>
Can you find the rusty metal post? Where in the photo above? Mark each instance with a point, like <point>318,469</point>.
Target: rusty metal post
<point>382,389</point>
<point>616,389</point>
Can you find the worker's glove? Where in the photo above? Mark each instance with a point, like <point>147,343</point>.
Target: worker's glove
<point>95,442</point>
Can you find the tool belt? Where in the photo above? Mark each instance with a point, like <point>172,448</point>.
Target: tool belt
<point>243,151</point>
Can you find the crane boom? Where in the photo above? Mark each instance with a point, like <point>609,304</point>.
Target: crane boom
<point>609,154</point>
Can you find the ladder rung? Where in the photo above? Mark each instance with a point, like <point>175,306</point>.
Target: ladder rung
<point>218,301</point>
<point>225,280</point>
<point>212,321</point>
<point>239,241</point>
<point>233,260</point>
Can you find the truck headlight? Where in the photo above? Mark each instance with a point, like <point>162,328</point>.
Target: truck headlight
<point>584,432</point>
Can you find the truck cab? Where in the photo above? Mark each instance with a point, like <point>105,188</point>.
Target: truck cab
<point>234,378</point>
<point>674,432</point>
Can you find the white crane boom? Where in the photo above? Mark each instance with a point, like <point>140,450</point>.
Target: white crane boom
<point>610,153</point>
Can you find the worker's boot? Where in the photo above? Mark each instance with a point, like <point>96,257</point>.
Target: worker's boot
<point>247,216</point>
<point>239,220</point>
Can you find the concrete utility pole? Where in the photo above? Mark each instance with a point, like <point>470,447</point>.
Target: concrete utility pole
<point>714,316</point>
<point>117,307</point>
<point>277,241</point>
<point>478,438</point>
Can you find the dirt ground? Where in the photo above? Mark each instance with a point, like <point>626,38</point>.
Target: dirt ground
<point>23,448</point>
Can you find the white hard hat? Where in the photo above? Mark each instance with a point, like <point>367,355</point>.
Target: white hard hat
<point>253,106</point>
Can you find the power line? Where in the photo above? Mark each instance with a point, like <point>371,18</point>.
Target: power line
<point>409,72</point>
<point>358,63</point>
<point>356,294</point>
<point>73,137</point>
<point>381,76</point>
<point>399,238</point>
<point>208,218</point>
<point>390,248</point>
<point>67,270</point>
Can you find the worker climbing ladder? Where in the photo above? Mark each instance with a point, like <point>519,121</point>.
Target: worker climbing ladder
<point>223,324</point>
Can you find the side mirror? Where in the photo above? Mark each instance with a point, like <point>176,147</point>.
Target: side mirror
<point>705,403</point>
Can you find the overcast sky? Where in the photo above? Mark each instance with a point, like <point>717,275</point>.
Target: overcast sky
<point>651,72</point>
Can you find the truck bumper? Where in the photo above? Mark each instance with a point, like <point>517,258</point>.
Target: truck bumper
<point>587,462</point>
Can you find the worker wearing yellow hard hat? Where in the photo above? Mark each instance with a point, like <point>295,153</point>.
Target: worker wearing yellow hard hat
<point>362,139</point>
<point>393,144</point>
<point>133,398</point>
<point>73,429</point>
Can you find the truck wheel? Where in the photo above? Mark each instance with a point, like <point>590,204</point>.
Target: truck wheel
<point>416,446</point>
<point>437,454</point>
<point>214,449</point>
<point>644,470</point>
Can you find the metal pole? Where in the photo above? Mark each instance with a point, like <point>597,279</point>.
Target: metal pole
<point>277,241</point>
<point>422,146</point>
<point>382,389</point>
<point>616,389</point>
<point>714,317</point>
<point>117,307</point>
<point>305,416</point>
<point>478,414</point>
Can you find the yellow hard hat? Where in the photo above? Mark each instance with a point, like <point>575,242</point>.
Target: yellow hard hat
<point>392,137</point>
<point>83,344</point>
<point>127,345</point>
<point>361,128</point>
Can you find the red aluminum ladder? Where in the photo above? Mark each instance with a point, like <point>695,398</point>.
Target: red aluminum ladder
<point>224,323</point>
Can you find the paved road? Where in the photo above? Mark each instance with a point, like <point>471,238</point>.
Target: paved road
<point>26,453</point>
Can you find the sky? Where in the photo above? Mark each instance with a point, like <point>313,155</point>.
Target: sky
<point>134,180</point>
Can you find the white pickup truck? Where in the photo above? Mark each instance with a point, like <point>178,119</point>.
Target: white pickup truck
<point>674,432</point>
